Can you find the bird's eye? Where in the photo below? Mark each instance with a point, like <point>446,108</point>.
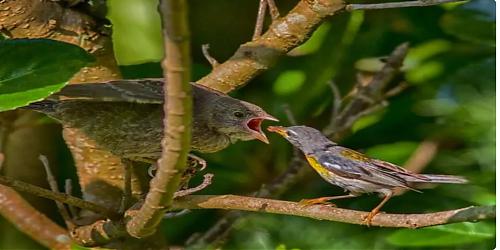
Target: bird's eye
<point>238,114</point>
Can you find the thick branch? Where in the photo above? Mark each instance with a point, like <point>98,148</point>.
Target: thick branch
<point>31,222</point>
<point>283,35</point>
<point>376,6</point>
<point>322,212</point>
<point>177,122</point>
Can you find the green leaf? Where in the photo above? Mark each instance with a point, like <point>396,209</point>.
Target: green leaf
<point>473,21</point>
<point>445,235</point>
<point>36,68</point>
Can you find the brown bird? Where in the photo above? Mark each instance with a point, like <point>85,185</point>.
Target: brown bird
<point>126,117</point>
<point>353,171</point>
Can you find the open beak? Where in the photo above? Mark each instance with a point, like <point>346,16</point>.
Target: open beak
<point>278,129</point>
<point>254,125</point>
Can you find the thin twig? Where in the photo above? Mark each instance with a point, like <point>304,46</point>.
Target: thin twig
<point>206,54</point>
<point>177,122</point>
<point>396,90</point>
<point>324,212</point>
<point>336,104</point>
<point>273,10</point>
<point>61,197</point>
<point>68,189</point>
<point>176,214</point>
<point>54,187</point>
<point>261,16</point>
<point>207,180</point>
<point>377,6</point>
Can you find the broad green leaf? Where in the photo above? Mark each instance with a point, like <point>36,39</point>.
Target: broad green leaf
<point>473,21</point>
<point>32,69</point>
<point>446,235</point>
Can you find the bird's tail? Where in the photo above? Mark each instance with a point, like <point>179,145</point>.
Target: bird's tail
<point>443,179</point>
<point>45,106</point>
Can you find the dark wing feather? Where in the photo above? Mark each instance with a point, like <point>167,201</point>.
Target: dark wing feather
<point>136,90</point>
<point>346,162</point>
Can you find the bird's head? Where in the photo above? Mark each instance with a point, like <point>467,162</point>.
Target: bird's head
<point>239,120</point>
<point>305,138</point>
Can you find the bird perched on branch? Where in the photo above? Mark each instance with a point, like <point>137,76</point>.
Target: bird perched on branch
<point>126,117</point>
<point>353,171</point>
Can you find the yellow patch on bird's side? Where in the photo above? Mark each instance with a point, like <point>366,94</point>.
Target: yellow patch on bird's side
<point>315,164</point>
<point>354,155</point>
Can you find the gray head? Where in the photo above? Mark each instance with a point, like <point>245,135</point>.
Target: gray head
<point>239,120</point>
<point>305,138</point>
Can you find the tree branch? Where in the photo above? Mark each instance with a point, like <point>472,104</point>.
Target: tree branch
<point>31,222</point>
<point>283,35</point>
<point>177,121</point>
<point>377,6</point>
<point>323,212</point>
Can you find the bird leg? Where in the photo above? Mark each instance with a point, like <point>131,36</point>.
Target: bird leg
<point>193,163</point>
<point>324,200</point>
<point>368,218</point>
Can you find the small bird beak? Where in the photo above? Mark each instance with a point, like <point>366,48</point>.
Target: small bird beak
<point>278,129</point>
<point>254,125</point>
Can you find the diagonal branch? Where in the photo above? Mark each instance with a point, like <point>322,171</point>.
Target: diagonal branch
<point>177,121</point>
<point>320,212</point>
<point>418,3</point>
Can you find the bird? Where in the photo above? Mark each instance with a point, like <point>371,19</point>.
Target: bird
<point>355,172</point>
<point>126,116</point>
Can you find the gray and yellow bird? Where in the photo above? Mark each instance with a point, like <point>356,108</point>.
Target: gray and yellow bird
<point>353,171</point>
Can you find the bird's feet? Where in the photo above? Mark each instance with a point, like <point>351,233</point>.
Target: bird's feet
<point>195,164</point>
<point>317,201</point>
<point>368,218</point>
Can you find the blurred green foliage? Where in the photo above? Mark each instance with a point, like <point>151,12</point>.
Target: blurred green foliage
<point>451,98</point>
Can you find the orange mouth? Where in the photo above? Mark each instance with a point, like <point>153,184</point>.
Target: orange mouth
<point>278,129</point>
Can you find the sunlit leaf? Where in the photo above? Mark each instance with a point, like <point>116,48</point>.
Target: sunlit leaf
<point>36,68</point>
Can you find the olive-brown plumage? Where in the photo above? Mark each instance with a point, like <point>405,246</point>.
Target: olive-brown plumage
<point>126,116</point>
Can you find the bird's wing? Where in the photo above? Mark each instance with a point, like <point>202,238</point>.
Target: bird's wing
<point>349,163</point>
<point>135,90</point>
